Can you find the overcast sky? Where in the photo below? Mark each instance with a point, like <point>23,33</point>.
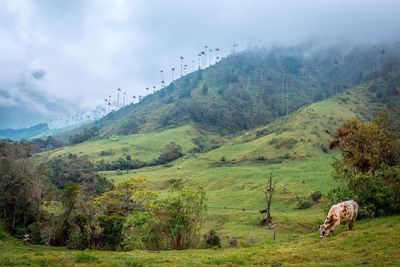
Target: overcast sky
<point>56,56</point>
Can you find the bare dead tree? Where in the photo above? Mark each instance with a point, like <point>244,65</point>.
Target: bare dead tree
<point>269,191</point>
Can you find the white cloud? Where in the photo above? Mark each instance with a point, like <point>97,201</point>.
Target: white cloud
<point>89,48</point>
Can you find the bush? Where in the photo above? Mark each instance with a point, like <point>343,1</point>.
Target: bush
<point>204,145</point>
<point>112,225</point>
<point>371,173</point>
<point>316,195</point>
<point>77,169</point>
<point>261,158</point>
<point>211,239</point>
<point>172,151</point>
<point>303,204</point>
<point>106,153</point>
<point>169,223</point>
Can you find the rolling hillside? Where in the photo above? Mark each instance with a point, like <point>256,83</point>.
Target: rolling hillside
<point>293,148</point>
<point>249,89</point>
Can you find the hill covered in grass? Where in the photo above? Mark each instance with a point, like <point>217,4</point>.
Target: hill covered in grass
<point>232,168</point>
<point>251,88</point>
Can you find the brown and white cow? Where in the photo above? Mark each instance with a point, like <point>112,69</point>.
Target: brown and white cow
<point>339,214</point>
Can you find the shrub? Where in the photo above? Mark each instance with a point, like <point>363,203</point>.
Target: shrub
<point>261,158</point>
<point>169,223</point>
<point>77,169</point>
<point>316,195</point>
<point>211,239</point>
<point>172,151</point>
<point>112,225</point>
<point>204,145</point>
<point>303,204</point>
<point>371,172</point>
<point>106,153</point>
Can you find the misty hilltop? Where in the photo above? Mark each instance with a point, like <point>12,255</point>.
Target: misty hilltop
<point>254,87</point>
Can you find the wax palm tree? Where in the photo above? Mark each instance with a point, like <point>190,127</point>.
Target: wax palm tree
<point>199,60</point>
<point>193,61</point>
<point>203,57</point>
<point>161,78</point>
<point>172,74</point>
<point>205,53</point>
<point>210,54</point>
<point>124,99</point>
<point>216,54</point>
<point>118,90</point>
<point>184,69</point>
<point>182,58</point>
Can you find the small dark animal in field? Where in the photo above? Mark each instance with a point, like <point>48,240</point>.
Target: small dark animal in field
<point>341,213</point>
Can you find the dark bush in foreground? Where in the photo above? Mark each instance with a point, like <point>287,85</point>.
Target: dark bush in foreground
<point>211,239</point>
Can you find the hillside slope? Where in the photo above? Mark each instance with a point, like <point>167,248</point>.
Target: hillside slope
<point>248,89</point>
<point>144,147</point>
<point>293,149</point>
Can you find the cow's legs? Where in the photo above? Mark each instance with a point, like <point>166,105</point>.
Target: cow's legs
<point>350,225</point>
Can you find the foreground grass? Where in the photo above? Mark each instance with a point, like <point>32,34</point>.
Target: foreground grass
<point>373,242</point>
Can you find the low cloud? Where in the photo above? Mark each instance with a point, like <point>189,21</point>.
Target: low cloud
<point>78,52</point>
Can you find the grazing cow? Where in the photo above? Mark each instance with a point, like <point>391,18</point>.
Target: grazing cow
<point>339,214</point>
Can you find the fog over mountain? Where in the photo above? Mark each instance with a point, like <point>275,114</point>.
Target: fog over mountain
<point>62,57</point>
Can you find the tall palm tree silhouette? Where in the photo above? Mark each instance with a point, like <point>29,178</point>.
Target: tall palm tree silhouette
<point>124,99</point>
<point>106,101</point>
<point>172,74</point>
<point>203,57</point>
<point>216,54</point>
<point>161,76</point>
<point>193,61</point>
<point>184,69</point>
<point>181,64</point>
<point>199,60</point>
<point>118,90</point>
<point>210,54</point>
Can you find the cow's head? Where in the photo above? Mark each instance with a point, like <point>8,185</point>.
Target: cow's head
<point>324,231</point>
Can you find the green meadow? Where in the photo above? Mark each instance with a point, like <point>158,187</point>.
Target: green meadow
<point>292,149</point>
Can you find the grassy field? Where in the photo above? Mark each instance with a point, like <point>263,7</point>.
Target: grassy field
<point>234,177</point>
<point>373,242</point>
<point>145,147</point>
